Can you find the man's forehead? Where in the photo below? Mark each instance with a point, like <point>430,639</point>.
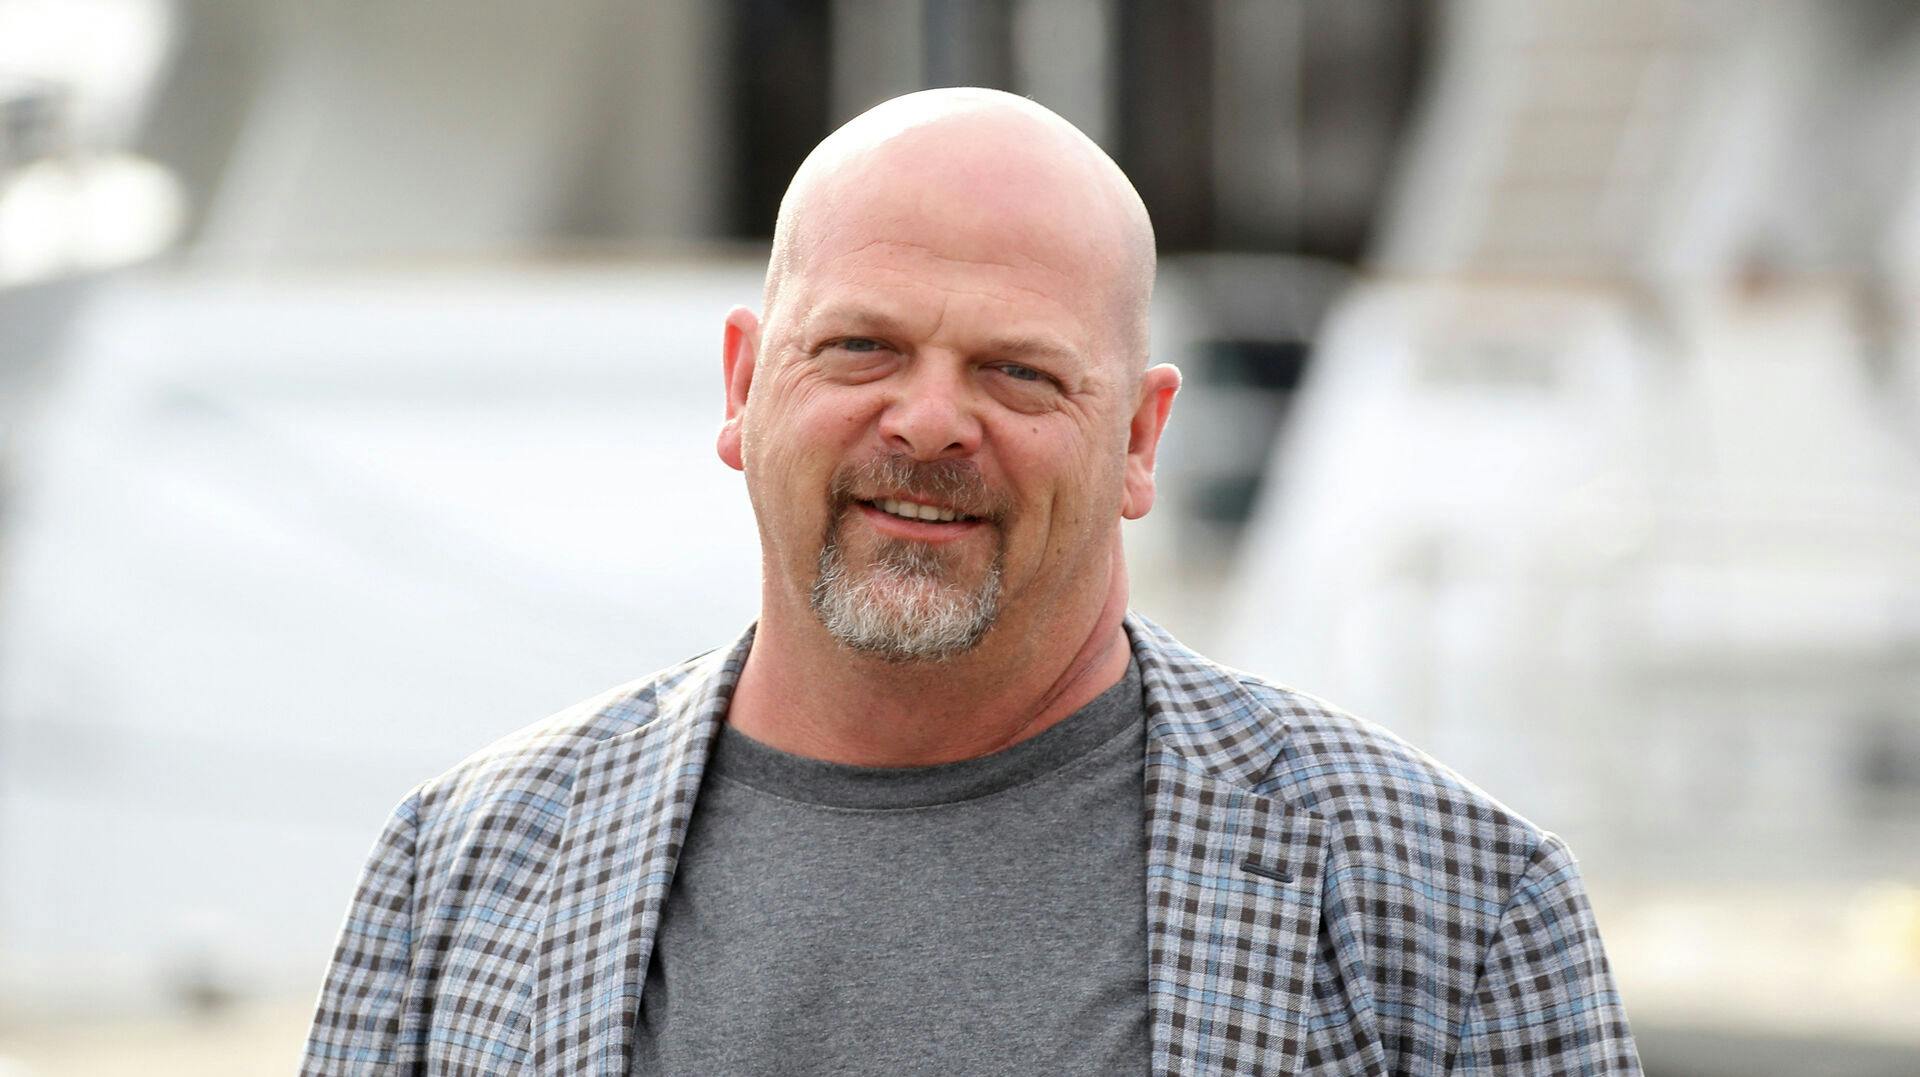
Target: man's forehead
<point>965,257</point>
<point>904,203</point>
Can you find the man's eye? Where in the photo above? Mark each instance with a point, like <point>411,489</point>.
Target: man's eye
<point>1021,373</point>
<point>858,344</point>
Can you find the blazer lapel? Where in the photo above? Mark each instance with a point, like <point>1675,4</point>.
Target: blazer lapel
<point>1233,876</point>
<point>1233,909</point>
<point>632,799</point>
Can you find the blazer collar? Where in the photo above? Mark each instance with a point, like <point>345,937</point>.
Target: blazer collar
<point>1199,711</point>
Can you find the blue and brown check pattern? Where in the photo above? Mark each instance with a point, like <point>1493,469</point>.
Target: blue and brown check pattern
<point>1321,898</point>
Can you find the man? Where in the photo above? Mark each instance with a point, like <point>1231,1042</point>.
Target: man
<point>948,807</point>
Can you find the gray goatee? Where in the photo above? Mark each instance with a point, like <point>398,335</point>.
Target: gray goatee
<point>903,604</point>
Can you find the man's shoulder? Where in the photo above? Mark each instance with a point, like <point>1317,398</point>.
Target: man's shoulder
<point>1363,775</point>
<point>1385,803</point>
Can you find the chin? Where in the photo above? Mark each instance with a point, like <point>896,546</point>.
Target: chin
<point>901,607</point>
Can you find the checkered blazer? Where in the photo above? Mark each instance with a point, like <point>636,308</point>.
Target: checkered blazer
<point>1321,897</point>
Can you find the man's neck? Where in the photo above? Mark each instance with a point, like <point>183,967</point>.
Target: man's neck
<point>806,694</point>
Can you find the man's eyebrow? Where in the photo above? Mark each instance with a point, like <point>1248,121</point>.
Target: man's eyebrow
<point>1037,347</point>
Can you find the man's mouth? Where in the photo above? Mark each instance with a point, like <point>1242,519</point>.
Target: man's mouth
<point>915,510</point>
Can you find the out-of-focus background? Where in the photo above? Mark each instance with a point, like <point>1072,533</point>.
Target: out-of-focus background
<point>1553,398</point>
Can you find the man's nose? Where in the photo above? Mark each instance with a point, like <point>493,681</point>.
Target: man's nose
<point>932,417</point>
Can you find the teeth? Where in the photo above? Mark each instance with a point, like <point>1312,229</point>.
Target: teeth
<point>914,511</point>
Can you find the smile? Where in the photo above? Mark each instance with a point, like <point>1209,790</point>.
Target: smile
<point>913,510</point>
<point>897,518</point>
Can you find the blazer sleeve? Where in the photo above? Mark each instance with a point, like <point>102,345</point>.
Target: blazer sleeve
<point>361,1025</point>
<point>1545,1002</point>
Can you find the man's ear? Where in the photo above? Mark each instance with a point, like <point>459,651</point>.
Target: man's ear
<point>739,348</point>
<point>1157,386</point>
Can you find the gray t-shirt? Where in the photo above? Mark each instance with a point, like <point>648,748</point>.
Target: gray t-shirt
<point>980,917</point>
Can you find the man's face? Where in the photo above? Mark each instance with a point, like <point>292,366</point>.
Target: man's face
<point>937,430</point>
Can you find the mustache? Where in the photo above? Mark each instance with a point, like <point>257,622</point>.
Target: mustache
<point>954,483</point>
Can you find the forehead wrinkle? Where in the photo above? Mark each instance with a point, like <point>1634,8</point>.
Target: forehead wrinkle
<point>1026,260</point>
<point>1014,259</point>
<point>996,292</point>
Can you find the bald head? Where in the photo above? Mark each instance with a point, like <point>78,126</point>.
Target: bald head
<point>996,176</point>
